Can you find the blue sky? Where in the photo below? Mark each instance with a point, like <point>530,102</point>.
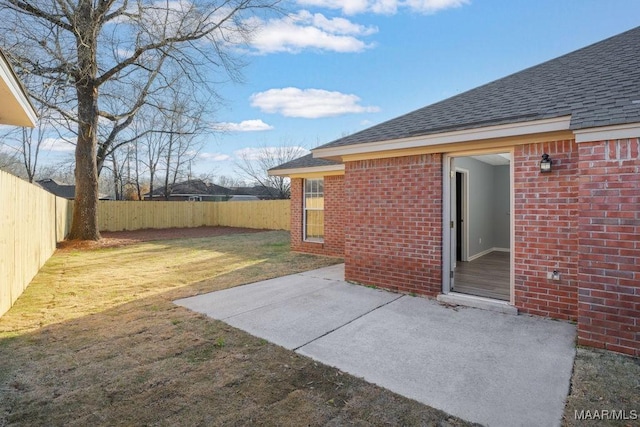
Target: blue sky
<point>334,67</point>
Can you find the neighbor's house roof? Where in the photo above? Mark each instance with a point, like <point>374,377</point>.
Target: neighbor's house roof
<point>63,190</point>
<point>15,107</point>
<point>259,191</point>
<point>60,190</point>
<point>193,187</point>
<point>595,86</point>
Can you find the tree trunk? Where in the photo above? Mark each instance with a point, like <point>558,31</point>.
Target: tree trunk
<point>84,225</point>
<point>137,169</point>
<point>116,177</point>
<point>167,192</point>
<point>152,174</point>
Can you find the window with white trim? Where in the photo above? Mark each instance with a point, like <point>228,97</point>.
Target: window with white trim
<point>314,210</point>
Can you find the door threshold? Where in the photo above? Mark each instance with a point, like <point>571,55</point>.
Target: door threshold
<point>490,304</point>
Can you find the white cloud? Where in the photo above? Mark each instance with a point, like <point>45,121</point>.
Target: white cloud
<point>308,103</point>
<point>244,126</point>
<point>123,54</point>
<point>386,7</point>
<point>57,144</point>
<point>337,25</point>
<point>304,30</point>
<point>258,153</point>
<point>215,157</point>
<point>433,6</point>
<point>158,13</point>
<point>9,150</point>
<point>352,7</point>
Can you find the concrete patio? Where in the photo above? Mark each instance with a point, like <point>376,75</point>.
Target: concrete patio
<point>486,367</point>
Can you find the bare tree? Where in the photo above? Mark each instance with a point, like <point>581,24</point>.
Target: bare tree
<point>125,160</point>
<point>32,139</point>
<point>61,171</point>
<point>254,164</point>
<point>138,171</point>
<point>26,143</point>
<point>184,126</point>
<point>228,181</point>
<point>29,141</point>
<point>91,49</point>
<point>162,138</point>
<point>105,184</point>
<point>10,160</point>
<point>208,177</point>
<point>116,166</point>
<point>152,146</point>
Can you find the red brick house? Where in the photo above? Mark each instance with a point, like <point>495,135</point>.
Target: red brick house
<point>519,195</point>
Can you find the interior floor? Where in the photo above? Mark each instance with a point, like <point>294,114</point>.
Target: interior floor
<point>487,276</point>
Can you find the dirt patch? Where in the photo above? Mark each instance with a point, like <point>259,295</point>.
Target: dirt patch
<point>113,239</point>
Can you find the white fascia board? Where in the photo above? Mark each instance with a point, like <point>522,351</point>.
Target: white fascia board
<point>489,132</point>
<point>608,133</point>
<point>303,170</point>
<point>17,91</point>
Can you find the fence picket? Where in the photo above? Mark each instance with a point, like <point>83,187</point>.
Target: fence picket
<point>124,215</point>
<point>33,220</point>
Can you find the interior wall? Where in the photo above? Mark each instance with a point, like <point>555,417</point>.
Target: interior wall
<point>489,190</point>
<point>501,207</point>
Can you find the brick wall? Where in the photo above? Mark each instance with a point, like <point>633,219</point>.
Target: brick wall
<point>393,229</point>
<point>582,219</point>
<point>546,229</point>
<point>334,217</point>
<point>609,246</point>
<point>297,189</point>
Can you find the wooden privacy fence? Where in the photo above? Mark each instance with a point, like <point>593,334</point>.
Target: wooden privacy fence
<point>267,214</point>
<point>32,221</point>
<point>262,214</point>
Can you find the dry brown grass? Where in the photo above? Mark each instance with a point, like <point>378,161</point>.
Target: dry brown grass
<point>604,381</point>
<point>96,340</point>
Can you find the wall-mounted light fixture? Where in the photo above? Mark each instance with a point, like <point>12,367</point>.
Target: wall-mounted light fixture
<point>545,163</point>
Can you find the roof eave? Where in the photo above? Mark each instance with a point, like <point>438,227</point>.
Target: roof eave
<point>16,109</point>
<point>307,170</point>
<point>468,135</point>
<point>623,131</point>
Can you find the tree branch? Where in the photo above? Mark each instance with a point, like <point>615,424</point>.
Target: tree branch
<point>21,6</point>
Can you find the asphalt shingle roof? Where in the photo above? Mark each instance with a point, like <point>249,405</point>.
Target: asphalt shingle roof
<point>598,85</point>
<point>60,190</point>
<point>195,187</point>
<point>305,162</point>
